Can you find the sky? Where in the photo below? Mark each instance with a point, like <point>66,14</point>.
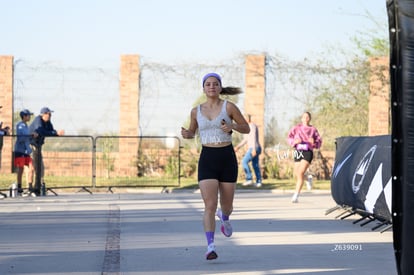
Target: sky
<point>95,33</point>
<point>88,31</point>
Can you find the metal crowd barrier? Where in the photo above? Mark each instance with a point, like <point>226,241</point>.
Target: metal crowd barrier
<point>86,162</point>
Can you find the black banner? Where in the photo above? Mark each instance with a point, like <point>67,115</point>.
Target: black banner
<point>401,29</point>
<point>361,175</point>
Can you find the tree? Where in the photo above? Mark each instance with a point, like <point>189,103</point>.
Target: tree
<point>338,91</point>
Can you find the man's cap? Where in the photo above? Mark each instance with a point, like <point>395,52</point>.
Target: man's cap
<point>25,112</point>
<point>211,75</point>
<point>45,110</point>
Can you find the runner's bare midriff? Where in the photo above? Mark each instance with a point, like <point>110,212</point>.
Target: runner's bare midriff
<point>217,145</point>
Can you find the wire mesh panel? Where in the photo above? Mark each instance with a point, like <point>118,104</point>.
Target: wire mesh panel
<point>7,177</point>
<point>131,161</point>
<point>74,93</point>
<point>68,161</point>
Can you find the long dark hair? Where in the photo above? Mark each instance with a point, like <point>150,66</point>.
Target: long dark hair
<point>231,91</point>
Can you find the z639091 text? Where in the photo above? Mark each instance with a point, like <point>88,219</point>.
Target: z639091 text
<point>347,247</point>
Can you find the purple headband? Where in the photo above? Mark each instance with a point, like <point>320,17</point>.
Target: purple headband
<point>211,75</point>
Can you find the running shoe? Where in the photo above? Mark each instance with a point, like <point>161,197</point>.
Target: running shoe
<point>226,228</point>
<point>248,182</point>
<point>211,252</point>
<point>295,198</point>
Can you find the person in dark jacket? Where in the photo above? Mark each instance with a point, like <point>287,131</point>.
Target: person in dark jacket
<point>40,128</point>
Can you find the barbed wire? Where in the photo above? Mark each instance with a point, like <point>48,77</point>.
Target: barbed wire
<point>86,99</point>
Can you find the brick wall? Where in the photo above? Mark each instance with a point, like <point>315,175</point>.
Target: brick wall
<point>129,110</point>
<point>6,113</point>
<point>255,91</point>
<point>379,98</point>
<point>129,93</point>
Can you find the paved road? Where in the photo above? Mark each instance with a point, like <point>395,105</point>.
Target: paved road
<point>161,233</point>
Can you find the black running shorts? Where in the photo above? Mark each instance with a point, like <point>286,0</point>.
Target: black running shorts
<point>218,163</point>
<point>298,155</point>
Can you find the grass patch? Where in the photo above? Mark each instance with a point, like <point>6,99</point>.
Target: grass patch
<point>142,182</point>
<point>266,184</point>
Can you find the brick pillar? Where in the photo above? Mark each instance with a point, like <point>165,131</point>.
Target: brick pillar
<point>129,95</point>
<point>128,113</point>
<point>379,97</point>
<point>255,91</point>
<point>6,113</point>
